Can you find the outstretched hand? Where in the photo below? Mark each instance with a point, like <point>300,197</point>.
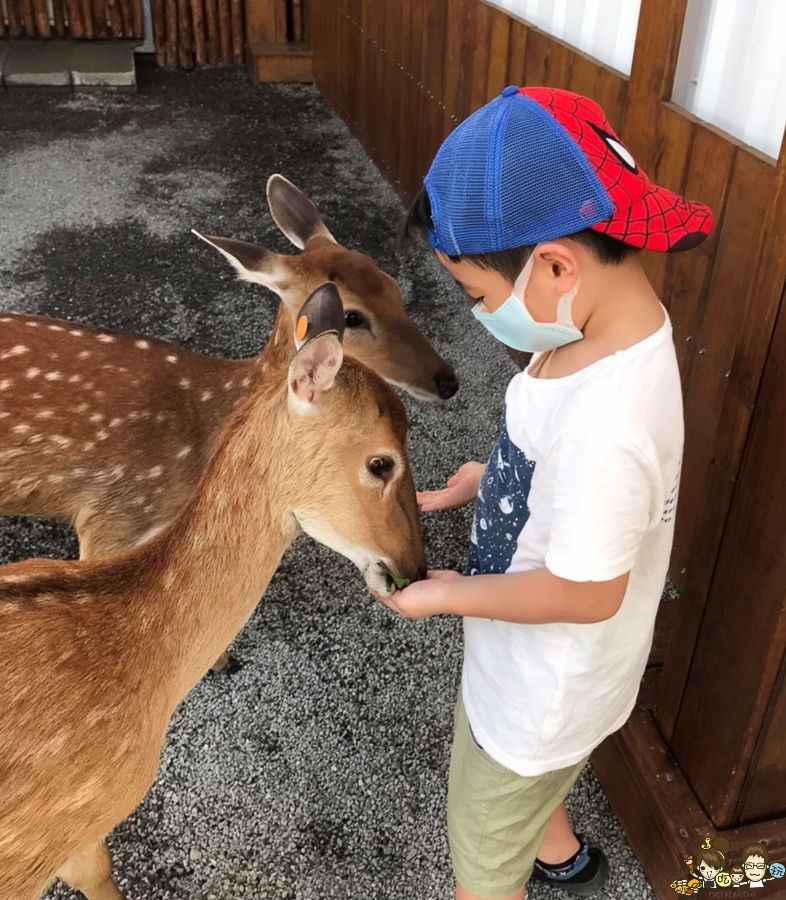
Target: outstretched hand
<point>462,489</point>
<point>430,597</point>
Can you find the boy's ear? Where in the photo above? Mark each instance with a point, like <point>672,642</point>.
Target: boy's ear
<point>294,213</point>
<point>313,372</point>
<point>252,263</point>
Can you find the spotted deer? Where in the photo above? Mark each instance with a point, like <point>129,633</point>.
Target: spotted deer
<point>111,432</point>
<point>99,653</point>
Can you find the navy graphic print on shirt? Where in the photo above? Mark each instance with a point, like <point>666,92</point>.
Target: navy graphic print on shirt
<point>501,511</point>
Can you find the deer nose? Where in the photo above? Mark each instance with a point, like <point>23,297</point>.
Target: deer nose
<point>447,385</point>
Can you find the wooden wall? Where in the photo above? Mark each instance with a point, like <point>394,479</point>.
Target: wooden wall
<point>73,18</point>
<point>403,73</point>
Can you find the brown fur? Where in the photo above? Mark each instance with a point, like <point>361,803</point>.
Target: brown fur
<point>98,653</point>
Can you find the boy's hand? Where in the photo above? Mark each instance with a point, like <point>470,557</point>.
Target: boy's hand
<point>462,489</point>
<point>423,598</point>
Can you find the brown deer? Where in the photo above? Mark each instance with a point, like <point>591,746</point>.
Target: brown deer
<point>98,653</point>
<point>111,432</point>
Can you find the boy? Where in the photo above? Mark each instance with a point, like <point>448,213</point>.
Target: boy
<point>537,210</point>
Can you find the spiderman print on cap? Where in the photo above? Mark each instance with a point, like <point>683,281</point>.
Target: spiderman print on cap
<point>645,215</point>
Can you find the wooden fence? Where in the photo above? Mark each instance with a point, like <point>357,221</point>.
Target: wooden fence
<point>72,18</point>
<point>403,73</point>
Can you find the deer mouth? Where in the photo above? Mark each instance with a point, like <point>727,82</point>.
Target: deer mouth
<point>376,580</point>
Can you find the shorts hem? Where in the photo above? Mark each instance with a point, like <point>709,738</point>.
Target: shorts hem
<point>488,891</point>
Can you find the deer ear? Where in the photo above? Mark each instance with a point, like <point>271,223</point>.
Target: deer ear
<point>251,263</point>
<point>294,213</point>
<point>313,371</point>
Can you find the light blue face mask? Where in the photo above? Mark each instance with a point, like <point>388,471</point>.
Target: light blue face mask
<point>512,323</point>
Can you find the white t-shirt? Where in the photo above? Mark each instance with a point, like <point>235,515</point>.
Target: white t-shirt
<point>583,481</point>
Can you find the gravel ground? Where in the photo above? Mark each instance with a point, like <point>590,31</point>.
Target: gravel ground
<point>319,769</point>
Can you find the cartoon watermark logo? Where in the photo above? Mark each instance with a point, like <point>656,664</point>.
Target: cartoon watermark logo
<point>714,869</point>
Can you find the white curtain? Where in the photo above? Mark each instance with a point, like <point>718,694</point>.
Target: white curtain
<point>604,29</point>
<point>732,68</point>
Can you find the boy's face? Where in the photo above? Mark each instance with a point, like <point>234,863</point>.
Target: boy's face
<point>480,285</point>
<point>554,272</point>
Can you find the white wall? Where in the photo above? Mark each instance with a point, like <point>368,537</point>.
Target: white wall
<point>732,68</point>
<point>605,29</point>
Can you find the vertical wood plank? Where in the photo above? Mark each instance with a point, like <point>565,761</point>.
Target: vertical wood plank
<point>99,18</point>
<point>58,14</point>
<point>171,32</point>
<point>28,17</point>
<point>211,32</point>
<point>137,19</point>
<point>158,15</point>
<point>115,19</point>
<point>236,21</point>
<point>517,51</point>
<point>224,32</point>
<point>41,18</point>
<point>184,41</point>
<point>197,19</point>
<point>87,18</point>
<point>496,77</point>
<point>15,26</point>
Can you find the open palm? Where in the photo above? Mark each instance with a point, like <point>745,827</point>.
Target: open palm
<point>462,488</point>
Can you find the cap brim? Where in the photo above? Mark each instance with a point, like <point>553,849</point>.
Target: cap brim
<point>661,221</point>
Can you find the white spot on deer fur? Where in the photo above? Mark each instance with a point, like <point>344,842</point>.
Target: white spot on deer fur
<point>118,471</point>
<point>97,417</point>
<point>102,435</point>
<point>228,385</point>
<point>185,383</point>
<point>161,417</point>
<point>265,367</point>
<point>35,439</point>
<point>4,415</point>
<point>171,358</point>
<point>138,501</point>
<point>10,454</point>
<point>143,345</point>
<point>32,324</point>
<point>88,446</point>
<point>155,472</point>
<point>76,332</point>
<point>206,395</point>
<point>74,379</point>
<point>5,384</point>
<point>54,356</point>
<point>18,350</point>
<point>37,396</point>
<point>115,422</point>
<point>105,338</point>
<point>84,354</point>
<point>21,429</point>
<point>44,414</point>
<point>32,372</point>
<point>5,319</point>
<point>81,408</point>
<point>184,451</point>
<point>55,328</point>
<point>246,382</point>
<point>54,479</point>
<point>53,376</point>
<point>60,440</point>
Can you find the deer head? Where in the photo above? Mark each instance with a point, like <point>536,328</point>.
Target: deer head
<point>378,330</point>
<point>350,428</point>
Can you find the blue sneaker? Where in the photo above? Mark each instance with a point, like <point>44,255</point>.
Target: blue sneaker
<point>584,874</point>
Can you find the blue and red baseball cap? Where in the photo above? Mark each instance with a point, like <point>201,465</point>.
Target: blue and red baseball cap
<point>536,164</point>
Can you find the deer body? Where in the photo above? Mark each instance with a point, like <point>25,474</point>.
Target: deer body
<point>100,652</point>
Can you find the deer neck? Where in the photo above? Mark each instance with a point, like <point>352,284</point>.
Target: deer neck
<point>210,567</point>
<point>280,348</point>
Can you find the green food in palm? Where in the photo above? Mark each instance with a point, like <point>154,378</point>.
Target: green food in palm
<point>391,579</point>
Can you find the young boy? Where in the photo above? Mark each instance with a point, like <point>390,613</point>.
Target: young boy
<point>536,209</point>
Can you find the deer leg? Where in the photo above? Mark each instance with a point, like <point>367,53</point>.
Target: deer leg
<point>91,873</point>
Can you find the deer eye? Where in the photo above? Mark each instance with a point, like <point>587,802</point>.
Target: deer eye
<point>380,466</point>
<point>353,319</point>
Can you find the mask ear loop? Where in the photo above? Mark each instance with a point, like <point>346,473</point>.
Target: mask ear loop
<point>565,304</point>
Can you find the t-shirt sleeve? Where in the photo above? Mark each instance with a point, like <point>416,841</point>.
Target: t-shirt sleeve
<point>605,496</point>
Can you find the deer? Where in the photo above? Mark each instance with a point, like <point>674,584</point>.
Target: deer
<point>99,652</point>
<point>110,432</point>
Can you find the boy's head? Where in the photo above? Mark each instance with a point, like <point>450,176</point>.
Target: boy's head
<point>540,169</point>
<point>755,858</point>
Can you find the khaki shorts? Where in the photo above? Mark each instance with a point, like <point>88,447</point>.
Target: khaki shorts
<point>497,819</point>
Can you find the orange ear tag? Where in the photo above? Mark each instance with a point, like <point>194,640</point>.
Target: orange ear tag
<point>302,328</point>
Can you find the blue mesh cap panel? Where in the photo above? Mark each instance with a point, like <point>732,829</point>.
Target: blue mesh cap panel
<point>511,176</point>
